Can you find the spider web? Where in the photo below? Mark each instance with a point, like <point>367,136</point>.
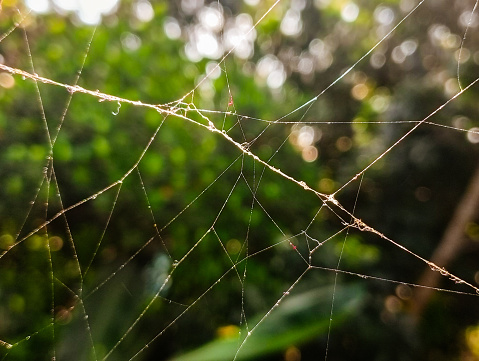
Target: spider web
<point>167,249</point>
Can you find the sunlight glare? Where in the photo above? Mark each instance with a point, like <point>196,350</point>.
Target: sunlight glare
<point>89,12</point>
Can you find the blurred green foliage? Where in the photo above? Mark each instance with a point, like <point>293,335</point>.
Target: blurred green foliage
<point>202,193</point>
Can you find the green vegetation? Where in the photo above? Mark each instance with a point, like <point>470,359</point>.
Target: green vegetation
<point>176,252</point>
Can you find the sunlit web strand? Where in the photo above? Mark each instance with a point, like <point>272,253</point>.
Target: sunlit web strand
<point>161,230</point>
<point>335,282</point>
<point>334,201</point>
<point>382,279</point>
<point>310,103</point>
<point>438,109</point>
<point>211,229</point>
<point>328,122</point>
<point>227,137</point>
<point>91,197</point>
<point>178,263</point>
<point>461,47</point>
<point>75,82</point>
<point>231,50</point>
<point>16,25</point>
<point>175,265</point>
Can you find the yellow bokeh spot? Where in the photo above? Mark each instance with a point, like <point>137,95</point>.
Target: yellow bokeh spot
<point>6,241</point>
<point>56,243</point>
<point>292,354</point>
<point>343,144</point>
<point>35,242</point>
<point>9,2</point>
<point>16,303</point>
<point>472,231</point>
<point>472,339</point>
<point>228,331</point>
<point>393,304</point>
<point>233,246</point>
<point>326,185</point>
<point>360,91</point>
<point>310,153</point>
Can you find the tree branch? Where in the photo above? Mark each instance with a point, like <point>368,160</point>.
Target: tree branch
<point>451,244</point>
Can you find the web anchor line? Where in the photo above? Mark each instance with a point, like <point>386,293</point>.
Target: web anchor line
<point>177,110</point>
<point>328,199</point>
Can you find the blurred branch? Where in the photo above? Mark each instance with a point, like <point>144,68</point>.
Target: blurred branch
<point>452,242</point>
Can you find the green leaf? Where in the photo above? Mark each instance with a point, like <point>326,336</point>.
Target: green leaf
<point>298,318</point>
